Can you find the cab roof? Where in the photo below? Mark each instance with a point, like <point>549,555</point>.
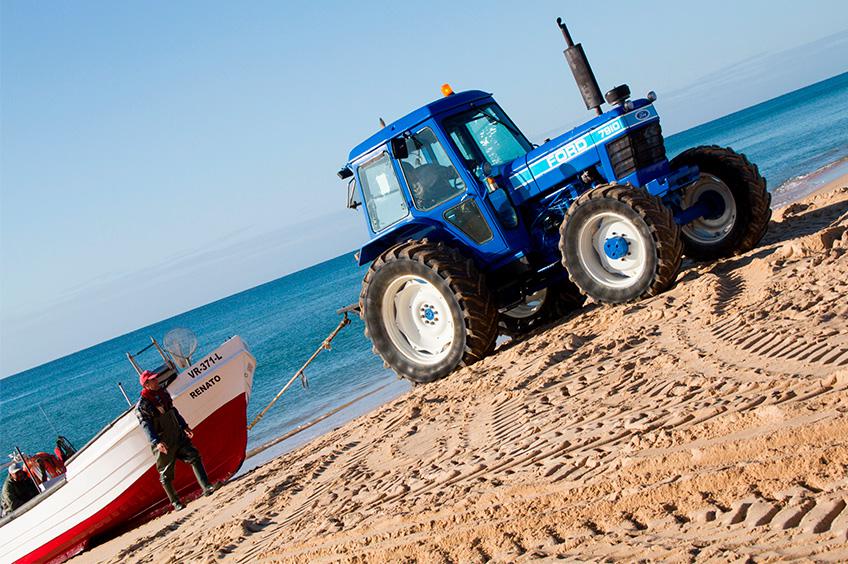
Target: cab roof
<point>410,120</point>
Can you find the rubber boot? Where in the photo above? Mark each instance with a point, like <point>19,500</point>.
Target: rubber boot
<point>202,479</point>
<point>172,496</point>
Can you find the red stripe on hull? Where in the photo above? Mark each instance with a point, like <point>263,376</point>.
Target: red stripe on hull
<point>222,441</point>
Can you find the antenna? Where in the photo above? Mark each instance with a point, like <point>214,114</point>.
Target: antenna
<point>48,419</point>
<point>382,122</point>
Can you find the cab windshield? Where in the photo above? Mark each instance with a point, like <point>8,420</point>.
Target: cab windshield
<point>486,134</point>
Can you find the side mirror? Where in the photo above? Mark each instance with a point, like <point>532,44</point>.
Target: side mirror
<point>399,148</point>
<point>483,170</point>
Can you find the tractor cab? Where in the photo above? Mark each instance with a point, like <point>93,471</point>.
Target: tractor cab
<point>426,175</point>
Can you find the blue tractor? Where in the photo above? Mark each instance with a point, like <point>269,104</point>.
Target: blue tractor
<point>474,230</point>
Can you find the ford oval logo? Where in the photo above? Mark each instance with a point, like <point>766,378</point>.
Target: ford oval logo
<point>642,114</point>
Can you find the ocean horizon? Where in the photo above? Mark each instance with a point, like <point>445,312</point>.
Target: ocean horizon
<point>798,140</point>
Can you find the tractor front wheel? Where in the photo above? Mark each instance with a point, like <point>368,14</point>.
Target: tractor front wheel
<point>427,310</point>
<point>739,196</point>
<point>620,244</point>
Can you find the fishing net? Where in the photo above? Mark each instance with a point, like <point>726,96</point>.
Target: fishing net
<point>181,344</point>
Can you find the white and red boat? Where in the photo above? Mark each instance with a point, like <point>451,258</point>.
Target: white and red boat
<point>111,484</point>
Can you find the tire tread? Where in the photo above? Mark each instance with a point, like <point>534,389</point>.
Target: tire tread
<point>660,222</point>
<point>758,209</point>
<point>465,280</point>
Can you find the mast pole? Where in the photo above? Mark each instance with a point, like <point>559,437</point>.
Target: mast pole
<point>29,470</point>
<point>126,397</point>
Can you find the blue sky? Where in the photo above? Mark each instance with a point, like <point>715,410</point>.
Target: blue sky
<point>156,156</point>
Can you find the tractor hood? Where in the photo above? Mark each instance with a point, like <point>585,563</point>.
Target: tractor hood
<point>563,157</point>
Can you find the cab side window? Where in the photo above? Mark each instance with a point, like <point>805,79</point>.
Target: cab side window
<point>429,173</point>
<point>383,197</point>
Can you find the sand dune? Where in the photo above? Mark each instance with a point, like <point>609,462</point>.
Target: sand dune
<point>709,422</point>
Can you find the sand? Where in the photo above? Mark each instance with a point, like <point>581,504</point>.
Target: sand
<point>708,423</point>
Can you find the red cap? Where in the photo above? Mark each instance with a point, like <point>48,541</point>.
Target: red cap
<point>145,376</point>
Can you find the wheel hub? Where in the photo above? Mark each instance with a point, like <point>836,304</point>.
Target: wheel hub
<point>417,318</point>
<point>429,315</point>
<point>714,203</point>
<point>612,250</point>
<point>616,247</point>
<point>720,217</point>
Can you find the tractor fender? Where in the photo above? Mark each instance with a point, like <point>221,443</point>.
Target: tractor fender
<point>413,230</point>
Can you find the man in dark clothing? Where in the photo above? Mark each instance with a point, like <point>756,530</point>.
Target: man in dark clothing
<point>18,489</point>
<point>169,435</point>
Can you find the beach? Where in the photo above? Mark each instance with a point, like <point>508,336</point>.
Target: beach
<point>709,422</point>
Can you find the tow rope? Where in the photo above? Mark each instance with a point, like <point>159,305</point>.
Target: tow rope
<point>325,346</point>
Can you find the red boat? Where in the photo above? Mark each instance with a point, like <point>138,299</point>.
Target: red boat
<point>111,484</point>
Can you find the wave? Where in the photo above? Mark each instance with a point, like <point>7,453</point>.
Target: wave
<point>805,184</point>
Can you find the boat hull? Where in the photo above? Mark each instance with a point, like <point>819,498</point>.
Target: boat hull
<point>112,484</point>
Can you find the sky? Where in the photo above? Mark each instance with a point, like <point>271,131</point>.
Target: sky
<point>157,156</point>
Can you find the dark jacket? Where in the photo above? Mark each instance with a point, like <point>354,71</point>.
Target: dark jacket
<point>17,493</point>
<point>160,427</point>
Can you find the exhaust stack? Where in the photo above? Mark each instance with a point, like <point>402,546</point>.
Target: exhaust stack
<point>583,75</point>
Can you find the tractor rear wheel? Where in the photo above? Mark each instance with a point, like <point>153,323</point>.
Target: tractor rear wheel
<point>427,310</point>
<point>538,308</point>
<point>743,203</point>
<point>620,244</point>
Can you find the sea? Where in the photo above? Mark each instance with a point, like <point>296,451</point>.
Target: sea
<point>798,140</point>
